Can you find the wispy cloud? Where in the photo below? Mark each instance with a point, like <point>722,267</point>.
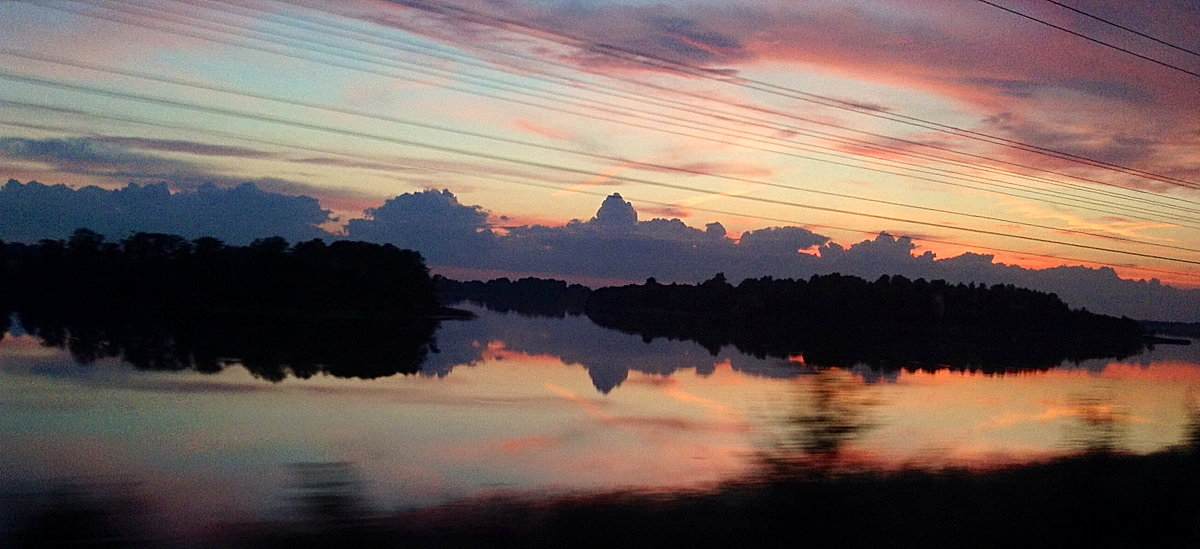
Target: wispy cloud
<point>540,130</point>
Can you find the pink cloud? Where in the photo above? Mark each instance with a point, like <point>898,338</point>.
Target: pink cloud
<point>1055,88</point>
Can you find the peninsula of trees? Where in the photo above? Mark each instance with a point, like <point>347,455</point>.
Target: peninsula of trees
<point>893,321</point>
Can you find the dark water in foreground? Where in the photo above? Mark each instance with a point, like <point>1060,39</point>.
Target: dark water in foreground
<point>506,404</point>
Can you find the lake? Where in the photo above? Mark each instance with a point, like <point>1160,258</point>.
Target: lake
<point>511,404</point>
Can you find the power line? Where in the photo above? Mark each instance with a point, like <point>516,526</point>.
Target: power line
<point>1090,39</point>
<point>674,104</point>
<point>645,59</point>
<point>564,169</point>
<point>362,114</point>
<point>1124,28</point>
<point>1184,221</point>
<point>1175,219</point>
<point>802,224</point>
<point>393,165</point>
<point>393,42</point>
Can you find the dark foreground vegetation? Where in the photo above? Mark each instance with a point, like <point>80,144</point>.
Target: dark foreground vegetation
<point>1092,500</point>
<point>892,322</point>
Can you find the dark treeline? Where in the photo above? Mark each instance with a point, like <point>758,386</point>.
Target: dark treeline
<point>152,299</point>
<point>893,322</point>
<point>526,296</point>
<point>168,272</point>
<point>160,302</point>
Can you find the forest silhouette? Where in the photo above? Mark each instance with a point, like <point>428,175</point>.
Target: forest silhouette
<point>526,296</point>
<point>893,322</point>
<point>160,302</point>
<point>352,309</point>
<point>163,302</point>
<point>169,273</point>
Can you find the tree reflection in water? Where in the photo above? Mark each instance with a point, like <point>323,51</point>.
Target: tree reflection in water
<point>329,493</point>
<point>1111,500</point>
<point>271,348</point>
<point>1101,424</point>
<point>1191,438</point>
<point>81,513</point>
<point>832,409</point>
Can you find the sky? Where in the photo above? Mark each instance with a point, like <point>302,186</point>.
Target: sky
<point>955,127</point>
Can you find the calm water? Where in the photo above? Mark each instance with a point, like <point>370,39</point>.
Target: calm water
<point>518,404</point>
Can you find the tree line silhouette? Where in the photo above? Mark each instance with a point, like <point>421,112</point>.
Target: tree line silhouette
<point>169,273</point>
<point>164,302</point>
<point>892,322</point>
<point>526,296</point>
<point>161,302</point>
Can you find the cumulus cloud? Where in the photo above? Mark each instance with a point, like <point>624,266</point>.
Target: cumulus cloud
<point>32,211</point>
<point>616,245</point>
<point>431,222</point>
<point>781,240</point>
<point>616,214</point>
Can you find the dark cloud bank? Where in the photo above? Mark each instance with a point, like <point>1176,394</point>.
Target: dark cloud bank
<point>29,212</point>
<point>613,244</point>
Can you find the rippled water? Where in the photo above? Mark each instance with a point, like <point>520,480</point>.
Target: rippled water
<point>511,403</point>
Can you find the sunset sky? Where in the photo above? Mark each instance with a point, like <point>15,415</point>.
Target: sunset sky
<point>960,124</point>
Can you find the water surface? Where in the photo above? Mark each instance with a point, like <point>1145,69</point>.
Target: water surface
<point>509,403</point>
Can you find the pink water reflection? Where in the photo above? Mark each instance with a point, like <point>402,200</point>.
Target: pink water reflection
<point>516,417</point>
